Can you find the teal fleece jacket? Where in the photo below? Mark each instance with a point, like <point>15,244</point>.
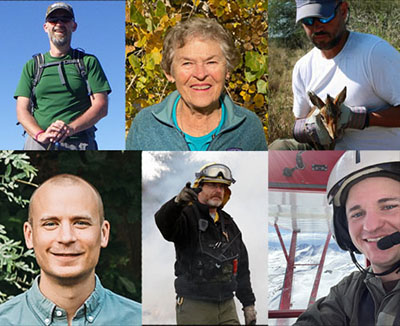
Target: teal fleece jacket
<point>153,129</point>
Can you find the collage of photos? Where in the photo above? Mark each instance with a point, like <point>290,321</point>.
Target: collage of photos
<point>200,162</point>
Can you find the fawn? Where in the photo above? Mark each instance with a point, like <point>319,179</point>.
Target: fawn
<point>330,114</point>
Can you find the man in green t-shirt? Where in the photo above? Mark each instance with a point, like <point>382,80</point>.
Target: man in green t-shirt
<point>66,104</point>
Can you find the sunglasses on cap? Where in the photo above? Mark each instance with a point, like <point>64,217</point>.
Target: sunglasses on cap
<point>309,21</point>
<point>216,170</point>
<point>55,20</point>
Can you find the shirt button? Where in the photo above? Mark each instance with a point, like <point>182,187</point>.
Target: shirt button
<point>47,321</point>
<point>59,313</point>
<point>90,318</point>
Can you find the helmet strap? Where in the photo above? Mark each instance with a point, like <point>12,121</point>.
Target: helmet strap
<point>363,270</point>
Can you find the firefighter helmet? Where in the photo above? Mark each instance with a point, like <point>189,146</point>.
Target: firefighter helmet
<point>217,173</point>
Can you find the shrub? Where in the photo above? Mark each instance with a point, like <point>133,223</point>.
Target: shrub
<point>17,268</point>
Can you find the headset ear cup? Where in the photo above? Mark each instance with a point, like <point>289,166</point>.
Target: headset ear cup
<point>341,230</point>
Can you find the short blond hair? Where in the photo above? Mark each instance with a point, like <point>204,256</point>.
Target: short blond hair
<point>203,28</point>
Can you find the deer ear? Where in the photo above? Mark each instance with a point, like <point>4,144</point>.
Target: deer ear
<point>315,99</point>
<point>329,100</point>
<point>341,97</point>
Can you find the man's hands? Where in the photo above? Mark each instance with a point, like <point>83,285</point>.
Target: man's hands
<point>187,195</point>
<point>312,130</point>
<point>352,117</point>
<point>250,315</point>
<point>58,131</point>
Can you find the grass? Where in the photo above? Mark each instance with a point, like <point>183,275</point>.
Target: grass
<point>281,62</point>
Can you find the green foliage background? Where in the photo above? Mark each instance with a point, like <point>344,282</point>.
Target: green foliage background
<point>17,264</point>
<point>288,43</point>
<point>146,25</point>
<point>117,176</point>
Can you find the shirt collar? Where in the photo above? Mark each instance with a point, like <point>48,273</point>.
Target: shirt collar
<point>46,310</point>
<point>212,132</point>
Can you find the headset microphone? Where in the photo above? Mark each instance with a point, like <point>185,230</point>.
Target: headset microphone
<point>389,241</point>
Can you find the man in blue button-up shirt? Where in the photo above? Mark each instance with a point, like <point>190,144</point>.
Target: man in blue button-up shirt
<point>66,228</point>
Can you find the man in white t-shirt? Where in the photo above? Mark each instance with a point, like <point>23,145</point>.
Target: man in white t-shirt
<point>366,65</point>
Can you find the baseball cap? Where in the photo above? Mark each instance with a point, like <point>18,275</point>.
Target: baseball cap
<point>314,8</point>
<point>60,5</point>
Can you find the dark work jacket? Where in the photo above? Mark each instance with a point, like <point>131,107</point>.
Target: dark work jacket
<point>205,267</point>
<point>358,299</point>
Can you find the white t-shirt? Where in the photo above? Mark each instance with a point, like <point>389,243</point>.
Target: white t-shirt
<point>370,69</point>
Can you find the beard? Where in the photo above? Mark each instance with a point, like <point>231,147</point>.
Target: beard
<point>60,41</point>
<point>330,44</point>
<point>214,202</point>
<point>326,46</point>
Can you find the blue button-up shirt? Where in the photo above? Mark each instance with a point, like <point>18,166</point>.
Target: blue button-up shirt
<point>102,308</point>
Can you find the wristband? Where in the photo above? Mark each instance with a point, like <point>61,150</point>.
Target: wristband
<point>38,133</point>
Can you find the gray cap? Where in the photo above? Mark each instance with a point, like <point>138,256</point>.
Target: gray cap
<point>62,6</point>
<point>314,8</point>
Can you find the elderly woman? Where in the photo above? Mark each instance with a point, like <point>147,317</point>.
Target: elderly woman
<point>198,56</point>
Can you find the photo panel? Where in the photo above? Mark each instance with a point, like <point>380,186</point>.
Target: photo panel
<point>119,265</point>
<point>333,235</point>
<point>101,34</point>
<point>232,82</point>
<point>164,174</point>
<point>350,53</point>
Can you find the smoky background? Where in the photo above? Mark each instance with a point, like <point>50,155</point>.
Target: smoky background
<point>164,174</point>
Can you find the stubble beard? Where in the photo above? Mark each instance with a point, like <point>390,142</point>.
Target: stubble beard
<point>60,42</point>
<point>329,45</point>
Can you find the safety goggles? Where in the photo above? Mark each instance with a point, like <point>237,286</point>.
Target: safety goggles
<point>55,20</point>
<point>309,21</point>
<point>215,171</point>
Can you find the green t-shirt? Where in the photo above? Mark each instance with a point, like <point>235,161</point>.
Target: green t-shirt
<point>56,101</point>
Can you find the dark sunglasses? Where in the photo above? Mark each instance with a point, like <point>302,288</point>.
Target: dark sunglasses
<point>309,21</point>
<point>55,20</point>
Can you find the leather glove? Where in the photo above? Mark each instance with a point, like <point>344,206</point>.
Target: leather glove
<point>250,314</point>
<point>186,196</point>
<point>355,117</point>
<point>312,130</point>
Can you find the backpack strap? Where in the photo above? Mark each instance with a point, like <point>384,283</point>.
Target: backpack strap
<point>38,59</point>
<point>39,65</point>
<point>77,56</point>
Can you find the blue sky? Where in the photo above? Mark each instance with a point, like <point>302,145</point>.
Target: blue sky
<point>101,31</point>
